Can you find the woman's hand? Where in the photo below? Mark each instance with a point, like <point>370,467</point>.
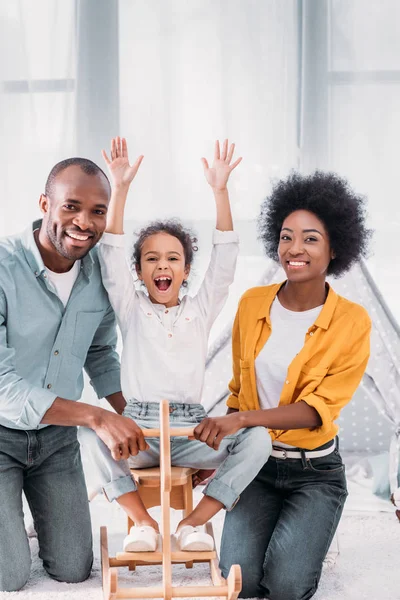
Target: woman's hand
<point>218,174</point>
<point>121,172</point>
<point>212,430</point>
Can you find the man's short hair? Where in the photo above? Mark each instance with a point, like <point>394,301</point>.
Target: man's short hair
<point>87,166</point>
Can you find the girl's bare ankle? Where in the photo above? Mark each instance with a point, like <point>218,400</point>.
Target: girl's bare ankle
<point>146,522</point>
<point>188,521</point>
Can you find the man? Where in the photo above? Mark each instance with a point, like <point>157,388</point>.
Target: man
<point>55,320</point>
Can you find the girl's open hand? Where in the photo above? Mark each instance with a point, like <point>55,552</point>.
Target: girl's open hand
<point>121,172</point>
<point>218,174</point>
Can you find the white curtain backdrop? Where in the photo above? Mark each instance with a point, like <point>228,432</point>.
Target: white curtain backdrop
<point>37,71</point>
<point>358,118</point>
<point>191,72</point>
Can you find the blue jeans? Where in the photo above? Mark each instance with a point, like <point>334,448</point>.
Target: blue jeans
<point>281,530</point>
<point>46,465</point>
<point>238,459</point>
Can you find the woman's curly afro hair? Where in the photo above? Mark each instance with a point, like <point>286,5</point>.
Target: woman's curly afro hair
<point>336,205</point>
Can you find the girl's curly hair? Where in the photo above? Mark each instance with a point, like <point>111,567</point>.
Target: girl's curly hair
<point>332,200</point>
<point>173,227</point>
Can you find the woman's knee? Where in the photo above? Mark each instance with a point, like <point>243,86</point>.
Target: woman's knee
<point>286,584</point>
<point>251,587</point>
<point>250,578</point>
<point>279,586</point>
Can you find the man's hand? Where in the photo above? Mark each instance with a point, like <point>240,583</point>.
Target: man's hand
<point>121,172</point>
<point>212,430</point>
<point>218,174</point>
<point>120,434</point>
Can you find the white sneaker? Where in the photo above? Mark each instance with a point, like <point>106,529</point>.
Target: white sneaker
<point>194,539</point>
<point>141,539</point>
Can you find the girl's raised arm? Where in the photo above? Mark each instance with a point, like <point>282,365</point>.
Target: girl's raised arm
<point>116,274</point>
<point>217,176</point>
<point>214,289</point>
<point>121,175</point>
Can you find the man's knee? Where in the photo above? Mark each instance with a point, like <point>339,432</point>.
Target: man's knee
<point>74,570</point>
<point>13,577</point>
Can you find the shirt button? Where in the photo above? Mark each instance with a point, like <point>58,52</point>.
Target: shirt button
<point>287,381</point>
<point>311,333</point>
<point>187,319</point>
<point>56,352</point>
<point>49,386</point>
<point>45,276</point>
<point>149,314</point>
<point>170,335</point>
<point>167,311</point>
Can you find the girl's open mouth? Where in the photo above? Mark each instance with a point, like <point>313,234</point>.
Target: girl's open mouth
<point>163,283</point>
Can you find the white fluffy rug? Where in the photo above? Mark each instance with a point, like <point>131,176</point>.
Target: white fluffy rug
<point>368,565</point>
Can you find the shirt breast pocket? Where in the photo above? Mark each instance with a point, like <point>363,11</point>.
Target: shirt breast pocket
<point>311,377</point>
<point>86,325</point>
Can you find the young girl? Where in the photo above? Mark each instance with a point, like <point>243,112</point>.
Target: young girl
<point>164,352</point>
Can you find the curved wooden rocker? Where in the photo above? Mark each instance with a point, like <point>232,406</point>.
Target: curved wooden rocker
<point>169,487</point>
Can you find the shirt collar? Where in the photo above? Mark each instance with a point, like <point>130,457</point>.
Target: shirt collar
<point>185,309</point>
<point>34,258</point>
<point>266,307</point>
<point>324,318</point>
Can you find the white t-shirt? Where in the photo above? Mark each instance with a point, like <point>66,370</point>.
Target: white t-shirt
<point>64,282</point>
<point>288,334</point>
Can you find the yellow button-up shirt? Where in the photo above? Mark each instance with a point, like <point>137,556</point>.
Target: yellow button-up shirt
<point>325,373</point>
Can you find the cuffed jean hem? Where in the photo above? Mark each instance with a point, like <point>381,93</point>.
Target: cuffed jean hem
<point>221,492</point>
<point>119,487</point>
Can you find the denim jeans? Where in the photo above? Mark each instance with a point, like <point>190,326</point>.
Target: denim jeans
<point>238,460</point>
<point>280,531</point>
<point>45,464</point>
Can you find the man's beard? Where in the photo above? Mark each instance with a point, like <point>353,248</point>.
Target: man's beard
<point>61,249</point>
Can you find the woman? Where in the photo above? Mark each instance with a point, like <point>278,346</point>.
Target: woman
<point>299,353</point>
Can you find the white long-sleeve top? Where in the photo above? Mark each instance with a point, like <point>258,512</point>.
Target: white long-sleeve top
<point>164,349</point>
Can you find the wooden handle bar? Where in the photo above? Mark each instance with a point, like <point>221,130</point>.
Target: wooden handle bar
<point>174,432</point>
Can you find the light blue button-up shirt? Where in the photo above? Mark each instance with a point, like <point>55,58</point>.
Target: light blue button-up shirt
<point>44,346</point>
